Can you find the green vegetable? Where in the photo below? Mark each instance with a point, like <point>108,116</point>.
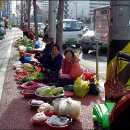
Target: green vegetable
<point>52,87</point>
<point>50,94</point>
<point>29,83</point>
<point>24,79</point>
<point>45,92</point>
<point>57,90</point>
<point>38,90</point>
<point>38,76</point>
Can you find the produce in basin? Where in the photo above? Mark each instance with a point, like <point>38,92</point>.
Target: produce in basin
<point>57,90</point>
<point>50,94</point>
<point>38,90</point>
<point>52,87</point>
<point>45,107</point>
<point>45,92</point>
<point>49,91</point>
<point>39,117</point>
<point>38,76</point>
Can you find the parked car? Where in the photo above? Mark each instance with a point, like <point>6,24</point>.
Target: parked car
<point>32,27</point>
<point>2,32</point>
<point>72,32</point>
<point>88,42</point>
<point>85,29</point>
<point>81,24</point>
<point>41,27</point>
<point>2,28</point>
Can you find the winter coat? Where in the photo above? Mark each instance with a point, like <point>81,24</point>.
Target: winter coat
<point>53,64</point>
<point>72,68</point>
<point>43,54</point>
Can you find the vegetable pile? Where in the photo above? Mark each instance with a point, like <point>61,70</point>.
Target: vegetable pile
<point>49,91</point>
<point>24,41</point>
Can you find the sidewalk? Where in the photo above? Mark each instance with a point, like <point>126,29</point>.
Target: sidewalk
<point>16,113</point>
<point>5,52</point>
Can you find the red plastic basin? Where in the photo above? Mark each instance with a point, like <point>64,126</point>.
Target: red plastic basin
<point>88,75</point>
<point>28,93</point>
<point>21,74</point>
<point>66,127</point>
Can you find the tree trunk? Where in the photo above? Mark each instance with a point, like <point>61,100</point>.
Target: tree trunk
<point>21,11</point>
<point>59,29</point>
<point>28,11</point>
<point>35,19</point>
<point>25,10</point>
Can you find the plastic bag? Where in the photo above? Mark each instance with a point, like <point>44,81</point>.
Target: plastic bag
<point>94,90</point>
<point>81,87</point>
<point>39,117</point>
<point>68,107</point>
<point>22,48</point>
<point>45,107</point>
<point>36,45</point>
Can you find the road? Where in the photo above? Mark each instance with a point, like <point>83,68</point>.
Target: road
<point>89,61</point>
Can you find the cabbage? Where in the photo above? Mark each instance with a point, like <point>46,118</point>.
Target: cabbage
<point>45,92</point>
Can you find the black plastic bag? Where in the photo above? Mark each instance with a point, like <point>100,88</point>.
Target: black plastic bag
<point>93,90</point>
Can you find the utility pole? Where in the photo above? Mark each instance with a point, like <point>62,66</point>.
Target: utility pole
<point>82,15</point>
<point>52,19</point>
<point>76,9</point>
<point>119,40</point>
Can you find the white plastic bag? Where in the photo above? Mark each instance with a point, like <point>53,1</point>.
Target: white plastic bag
<point>39,117</point>
<point>69,107</point>
<point>45,107</point>
<point>22,48</point>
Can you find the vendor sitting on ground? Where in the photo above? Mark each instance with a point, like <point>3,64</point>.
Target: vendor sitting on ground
<point>71,69</point>
<point>52,64</point>
<point>41,56</point>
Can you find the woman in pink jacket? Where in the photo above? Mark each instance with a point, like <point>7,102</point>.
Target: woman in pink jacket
<point>70,69</point>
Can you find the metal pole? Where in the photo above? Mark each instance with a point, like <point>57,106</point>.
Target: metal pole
<point>97,54</point>
<point>76,9</point>
<point>119,40</point>
<point>52,19</point>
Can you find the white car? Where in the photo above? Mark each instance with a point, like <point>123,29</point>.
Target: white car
<point>41,27</point>
<point>72,32</point>
<point>85,29</point>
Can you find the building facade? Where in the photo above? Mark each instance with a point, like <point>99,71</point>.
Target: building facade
<point>78,9</point>
<point>96,4</point>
